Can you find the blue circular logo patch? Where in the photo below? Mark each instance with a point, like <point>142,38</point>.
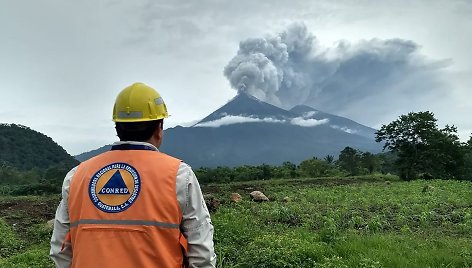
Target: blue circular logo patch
<point>114,188</point>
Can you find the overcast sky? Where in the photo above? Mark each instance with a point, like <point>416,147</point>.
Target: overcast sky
<point>62,63</point>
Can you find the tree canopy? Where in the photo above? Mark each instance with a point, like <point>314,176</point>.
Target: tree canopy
<point>422,148</point>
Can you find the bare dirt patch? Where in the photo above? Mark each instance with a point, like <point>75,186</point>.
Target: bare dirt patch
<point>22,213</point>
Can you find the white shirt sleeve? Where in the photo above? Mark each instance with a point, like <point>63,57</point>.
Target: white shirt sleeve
<point>196,224</point>
<point>61,251</point>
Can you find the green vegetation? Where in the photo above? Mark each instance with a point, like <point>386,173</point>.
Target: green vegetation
<point>30,162</point>
<point>24,239</point>
<point>351,163</point>
<point>32,182</point>
<point>424,149</point>
<point>381,224</point>
<point>25,149</point>
<point>363,221</point>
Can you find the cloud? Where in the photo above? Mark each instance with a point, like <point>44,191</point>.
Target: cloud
<point>309,114</point>
<point>345,129</point>
<point>236,119</point>
<point>239,119</point>
<point>310,122</point>
<point>306,121</point>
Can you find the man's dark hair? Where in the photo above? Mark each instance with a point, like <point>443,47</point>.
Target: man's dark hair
<point>137,131</point>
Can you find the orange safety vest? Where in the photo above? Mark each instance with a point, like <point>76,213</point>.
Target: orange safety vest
<point>124,211</point>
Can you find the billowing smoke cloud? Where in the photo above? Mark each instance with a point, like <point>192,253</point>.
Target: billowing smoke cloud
<point>290,68</point>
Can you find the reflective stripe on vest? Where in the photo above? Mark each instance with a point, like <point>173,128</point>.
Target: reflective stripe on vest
<point>124,210</point>
<point>125,222</point>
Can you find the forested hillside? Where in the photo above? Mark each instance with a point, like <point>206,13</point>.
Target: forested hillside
<point>24,149</point>
<point>31,162</point>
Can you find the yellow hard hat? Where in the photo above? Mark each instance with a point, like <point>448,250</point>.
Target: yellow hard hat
<point>139,103</point>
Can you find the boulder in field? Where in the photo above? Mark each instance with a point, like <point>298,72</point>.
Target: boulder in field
<point>212,203</point>
<point>258,196</point>
<point>235,197</point>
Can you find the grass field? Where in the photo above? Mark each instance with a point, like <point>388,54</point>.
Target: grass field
<point>327,222</point>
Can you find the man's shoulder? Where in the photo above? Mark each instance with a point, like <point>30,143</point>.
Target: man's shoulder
<point>184,166</point>
<point>185,170</point>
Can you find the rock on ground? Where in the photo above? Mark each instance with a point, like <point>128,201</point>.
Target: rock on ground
<point>212,203</point>
<point>258,196</point>
<point>235,197</point>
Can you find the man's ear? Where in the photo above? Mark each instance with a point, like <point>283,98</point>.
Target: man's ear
<point>158,133</point>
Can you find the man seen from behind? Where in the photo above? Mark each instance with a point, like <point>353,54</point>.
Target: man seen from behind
<point>133,206</point>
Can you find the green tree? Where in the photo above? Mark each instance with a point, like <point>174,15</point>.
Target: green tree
<point>350,161</point>
<point>329,159</point>
<point>371,162</point>
<point>290,169</point>
<point>388,160</point>
<point>314,167</point>
<point>466,172</point>
<point>266,172</point>
<point>421,147</point>
<point>55,176</point>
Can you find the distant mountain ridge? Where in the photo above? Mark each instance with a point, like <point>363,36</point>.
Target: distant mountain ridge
<point>87,155</point>
<point>338,122</point>
<point>249,131</point>
<point>24,148</point>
